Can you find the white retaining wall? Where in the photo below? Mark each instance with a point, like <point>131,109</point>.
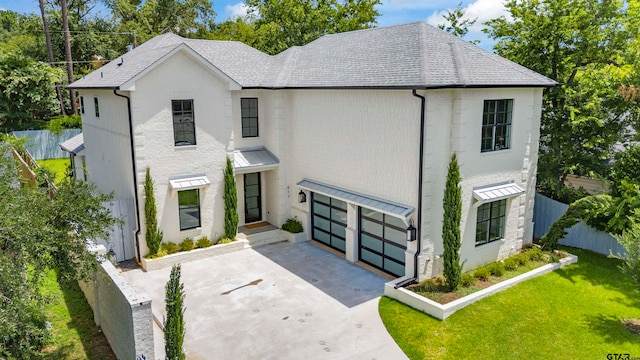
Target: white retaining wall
<point>123,314</point>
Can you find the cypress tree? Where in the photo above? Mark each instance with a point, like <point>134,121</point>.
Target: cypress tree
<point>452,205</point>
<point>230,202</point>
<point>174,322</point>
<point>153,236</point>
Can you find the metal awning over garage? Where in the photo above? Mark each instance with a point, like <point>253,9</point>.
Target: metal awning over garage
<point>188,183</point>
<point>380,205</point>
<point>74,146</point>
<point>496,192</point>
<point>254,160</point>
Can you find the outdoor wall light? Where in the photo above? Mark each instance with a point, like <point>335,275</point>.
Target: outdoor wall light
<point>111,256</point>
<point>302,197</point>
<point>411,231</point>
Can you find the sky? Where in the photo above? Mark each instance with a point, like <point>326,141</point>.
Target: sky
<point>392,12</point>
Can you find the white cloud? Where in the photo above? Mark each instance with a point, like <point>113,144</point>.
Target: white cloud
<point>236,10</point>
<point>483,10</point>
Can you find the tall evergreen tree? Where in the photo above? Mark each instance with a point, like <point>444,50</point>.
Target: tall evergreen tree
<point>153,235</point>
<point>174,322</point>
<point>452,204</point>
<point>230,202</point>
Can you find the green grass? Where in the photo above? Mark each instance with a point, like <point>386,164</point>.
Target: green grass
<point>57,166</point>
<point>572,313</point>
<point>74,334</point>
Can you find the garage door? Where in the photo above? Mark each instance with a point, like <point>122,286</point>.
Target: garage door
<point>329,221</point>
<point>383,241</point>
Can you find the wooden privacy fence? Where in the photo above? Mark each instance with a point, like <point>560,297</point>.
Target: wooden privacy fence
<point>581,235</point>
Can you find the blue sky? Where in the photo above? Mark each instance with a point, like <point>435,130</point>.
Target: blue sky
<point>393,12</point>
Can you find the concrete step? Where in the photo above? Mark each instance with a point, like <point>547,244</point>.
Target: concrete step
<point>263,238</point>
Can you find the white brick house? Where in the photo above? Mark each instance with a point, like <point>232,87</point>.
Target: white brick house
<point>340,120</point>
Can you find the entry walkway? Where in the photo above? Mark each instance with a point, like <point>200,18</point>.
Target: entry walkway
<point>279,301</point>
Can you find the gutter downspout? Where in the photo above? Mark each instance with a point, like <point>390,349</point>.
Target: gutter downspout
<point>423,102</point>
<point>135,175</point>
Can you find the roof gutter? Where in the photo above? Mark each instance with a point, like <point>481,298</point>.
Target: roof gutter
<point>423,105</point>
<point>135,175</point>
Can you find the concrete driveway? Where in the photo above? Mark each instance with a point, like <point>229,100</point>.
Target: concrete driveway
<point>279,301</point>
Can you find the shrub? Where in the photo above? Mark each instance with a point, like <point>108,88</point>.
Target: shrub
<point>169,248</point>
<point>452,206</point>
<point>225,240</point>
<point>496,268</point>
<point>511,263</point>
<point>230,202</point>
<point>467,280</point>
<point>153,235</point>
<point>174,322</point>
<point>521,258</point>
<point>482,273</point>
<point>293,226</point>
<point>437,283</point>
<point>535,254</point>
<point>203,242</point>
<point>187,245</point>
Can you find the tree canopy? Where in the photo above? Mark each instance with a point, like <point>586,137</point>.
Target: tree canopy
<point>38,233</point>
<point>584,46</point>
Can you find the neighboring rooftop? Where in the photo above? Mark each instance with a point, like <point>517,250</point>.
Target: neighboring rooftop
<point>414,55</point>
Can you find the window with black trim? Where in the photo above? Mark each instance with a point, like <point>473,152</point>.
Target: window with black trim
<point>249,113</point>
<point>184,130</point>
<point>496,125</point>
<point>96,105</point>
<point>189,209</point>
<point>490,222</point>
<point>81,104</point>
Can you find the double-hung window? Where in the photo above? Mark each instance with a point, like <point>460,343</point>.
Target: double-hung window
<point>490,222</point>
<point>249,113</point>
<point>496,125</point>
<point>189,209</point>
<point>184,130</point>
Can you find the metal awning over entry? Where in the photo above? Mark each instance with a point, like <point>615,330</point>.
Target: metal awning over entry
<point>254,160</point>
<point>496,192</point>
<point>380,205</point>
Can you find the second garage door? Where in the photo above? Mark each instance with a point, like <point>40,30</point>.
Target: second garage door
<point>329,221</point>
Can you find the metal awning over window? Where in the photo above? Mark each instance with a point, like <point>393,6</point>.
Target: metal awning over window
<point>496,192</point>
<point>188,182</point>
<point>254,160</point>
<point>383,206</point>
<point>74,146</point>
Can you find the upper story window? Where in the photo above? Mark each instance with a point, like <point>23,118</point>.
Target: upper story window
<point>249,113</point>
<point>81,104</point>
<point>184,130</point>
<point>496,125</point>
<point>96,105</point>
<point>490,222</point>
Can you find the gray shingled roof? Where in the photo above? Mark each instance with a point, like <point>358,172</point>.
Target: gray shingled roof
<point>414,55</point>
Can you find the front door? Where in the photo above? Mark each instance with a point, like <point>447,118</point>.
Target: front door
<point>252,198</point>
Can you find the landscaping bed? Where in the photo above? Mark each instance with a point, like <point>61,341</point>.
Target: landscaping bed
<point>486,276</point>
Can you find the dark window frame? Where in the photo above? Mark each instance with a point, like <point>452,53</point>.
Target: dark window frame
<point>384,240</point>
<point>81,104</point>
<point>96,106</point>
<point>491,221</point>
<point>245,118</point>
<point>497,118</point>
<point>330,219</point>
<point>182,137</point>
<point>189,207</point>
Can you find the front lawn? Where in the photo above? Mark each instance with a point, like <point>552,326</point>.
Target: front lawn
<point>572,313</point>
<point>74,334</point>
